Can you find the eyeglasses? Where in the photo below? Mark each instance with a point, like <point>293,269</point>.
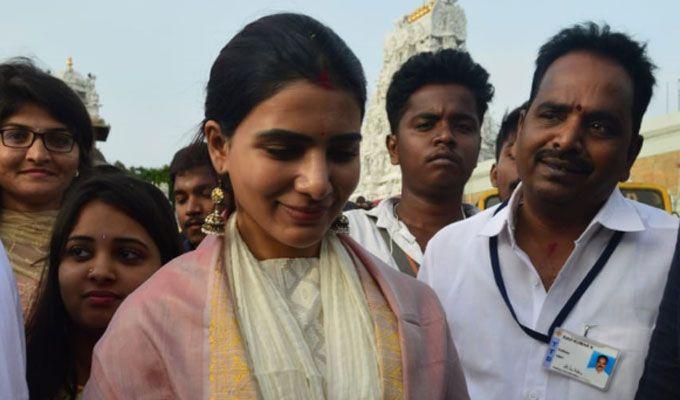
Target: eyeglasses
<point>21,138</point>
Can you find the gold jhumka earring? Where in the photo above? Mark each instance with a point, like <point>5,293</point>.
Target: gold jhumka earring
<point>214,222</point>
<point>340,225</point>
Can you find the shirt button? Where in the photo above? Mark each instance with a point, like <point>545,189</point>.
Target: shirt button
<point>531,396</point>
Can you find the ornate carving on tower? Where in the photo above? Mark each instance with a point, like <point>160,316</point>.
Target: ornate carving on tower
<point>433,26</point>
<point>84,86</point>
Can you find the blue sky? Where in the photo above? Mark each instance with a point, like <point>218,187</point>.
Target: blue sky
<point>152,58</point>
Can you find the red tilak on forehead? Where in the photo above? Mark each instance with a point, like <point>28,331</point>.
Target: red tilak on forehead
<point>325,79</point>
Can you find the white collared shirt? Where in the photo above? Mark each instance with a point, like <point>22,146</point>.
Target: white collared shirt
<point>620,308</point>
<point>366,232</point>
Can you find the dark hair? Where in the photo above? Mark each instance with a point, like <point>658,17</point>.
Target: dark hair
<point>272,52</point>
<point>23,83</point>
<point>50,363</point>
<point>443,67</point>
<point>616,46</point>
<point>192,156</point>
<point>606,359</point>
<point>508,127</point>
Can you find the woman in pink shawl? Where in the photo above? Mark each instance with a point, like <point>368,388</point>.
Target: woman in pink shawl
<point>280,305</point>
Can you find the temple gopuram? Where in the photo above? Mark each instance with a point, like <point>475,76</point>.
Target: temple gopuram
<point>84,86</point>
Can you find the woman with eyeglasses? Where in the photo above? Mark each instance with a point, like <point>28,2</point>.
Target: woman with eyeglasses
<point>281,305</point>
<point>114,232</point>
<point>46,139</point>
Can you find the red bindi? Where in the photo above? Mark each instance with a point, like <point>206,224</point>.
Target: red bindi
<point>579,107</point>
<point>325,79</point>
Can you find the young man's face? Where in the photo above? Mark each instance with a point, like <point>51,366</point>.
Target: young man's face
<point>438,139</point>
<point>504,172</point>
<point>191,195</point>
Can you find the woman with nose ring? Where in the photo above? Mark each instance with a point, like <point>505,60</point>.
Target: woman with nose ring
<point>112,233</point>
<point>281,305</point>
<point>45,142</point>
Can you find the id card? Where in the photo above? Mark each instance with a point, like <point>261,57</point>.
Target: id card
<point>581,358</point>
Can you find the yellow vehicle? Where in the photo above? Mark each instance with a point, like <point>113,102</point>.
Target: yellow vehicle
<point>648,193</point>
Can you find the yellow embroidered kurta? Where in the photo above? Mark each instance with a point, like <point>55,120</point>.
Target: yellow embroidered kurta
<point>26,237</point>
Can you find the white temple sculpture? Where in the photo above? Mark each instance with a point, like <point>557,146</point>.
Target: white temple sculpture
<point>433,26</point>
<point>84,86</point>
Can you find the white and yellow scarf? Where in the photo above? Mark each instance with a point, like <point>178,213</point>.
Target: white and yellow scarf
<point>279,355</point>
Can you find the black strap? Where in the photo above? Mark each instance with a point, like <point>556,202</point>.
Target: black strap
<point>399,255</point>
<point>575,297</point>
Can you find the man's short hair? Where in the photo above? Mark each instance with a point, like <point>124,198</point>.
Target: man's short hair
<point>606,359</point>
<point>193,156</point>
<point>616,46</point>
<point>508,127</point>
<point>443,67</point>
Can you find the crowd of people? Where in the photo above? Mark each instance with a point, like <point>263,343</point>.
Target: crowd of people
<point>258,279</point>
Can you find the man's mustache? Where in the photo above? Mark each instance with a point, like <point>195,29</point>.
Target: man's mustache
<point>192,221</point>
<point>570,160</point>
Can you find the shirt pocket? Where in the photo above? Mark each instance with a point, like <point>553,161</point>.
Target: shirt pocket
<point>632,342</point>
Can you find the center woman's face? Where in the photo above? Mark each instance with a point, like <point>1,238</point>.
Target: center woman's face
<point>293,162</point>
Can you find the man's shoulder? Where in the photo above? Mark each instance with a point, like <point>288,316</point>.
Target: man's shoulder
<point>356,215</point>
<point>467,228</point>
<point>654,218</point>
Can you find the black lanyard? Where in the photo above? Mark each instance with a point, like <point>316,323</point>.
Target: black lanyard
<point>571,303</point>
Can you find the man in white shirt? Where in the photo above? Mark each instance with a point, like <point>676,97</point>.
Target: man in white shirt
<point>12,343</point>
<point>435,106</point>
<point>568,250</point>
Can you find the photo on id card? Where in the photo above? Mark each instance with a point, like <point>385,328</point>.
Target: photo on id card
<point>581,358</point>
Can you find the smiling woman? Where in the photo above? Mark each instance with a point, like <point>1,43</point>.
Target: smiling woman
<point>45,141</point>
<point>115,232</point>
<point>281,306</point>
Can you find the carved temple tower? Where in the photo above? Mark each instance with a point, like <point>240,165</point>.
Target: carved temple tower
<point>433,26</point>
<point>84,86</point>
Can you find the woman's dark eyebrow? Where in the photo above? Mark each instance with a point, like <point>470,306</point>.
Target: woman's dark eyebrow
<point>80,238</point>
<point>125,240</point>
<point>285,135</point>
<point>21,126</point>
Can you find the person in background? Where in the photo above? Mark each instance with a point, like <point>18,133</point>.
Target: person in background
<point>280,306</point>
<point>435,106</point>
<point>45,142</point>
<point>12,344</point>
<point>192,179</point>
<point>112,233</point>
<point>504,174</point>
<point>363,204</point>
<point>568,250</point>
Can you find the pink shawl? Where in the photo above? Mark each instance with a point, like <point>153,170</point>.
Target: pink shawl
<point>156,346</point>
